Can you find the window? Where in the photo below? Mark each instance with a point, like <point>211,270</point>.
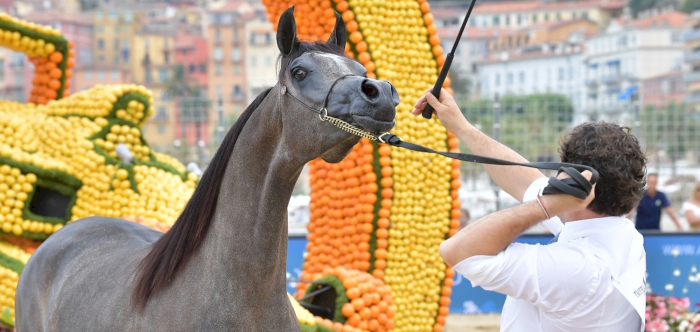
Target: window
<point>100,43</point>
<point>164,97</point>
<point>147,76</point>
<point>125,43</point>
<point>128,17</point>
<point>113,15</point>
<point>676,37</point>
<point>114,75</point>
<point>237,70</point>
<point>534,18</point>
<point>202,68</point>
<point>98,15</point>
<point>116,29</point>
<point>520,20</point>
<point>85,55</point>
<point>522,77</point>
<point>507,20</point>
<point>146,43</point>
<point>116,43</point>
<point>100,29</point>
<point>236,37</point>
<point>163,75</point>
<point>236,90</point>
<point>161,129</point>
<point>268,61</point>
<point>218,54</point>
<point>561,74</point>
<point>101,75</point>
<point>192,68</point>
<point>100,58</point>
<point>498,80</point>
<point>496,20</point>
<point>558,16</point>
<point>546,17</point>
<point>573,15</point>
<point>227,19</point>
<point>584,15</point>
<point>218,91</point>
<point>217,69</point>
<point>253,61</point>
<point>236,55</point>
<point>217,35</point>
<point>115,59</point>
<point>19,79</point>
<point>125,28</point>
<point>509,79</point>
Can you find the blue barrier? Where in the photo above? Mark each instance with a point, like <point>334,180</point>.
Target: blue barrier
<point>673,262</point>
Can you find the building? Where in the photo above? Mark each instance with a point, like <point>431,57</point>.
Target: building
<point>473,47</point>
<point>692,59</point>
<point>575,30</point>
<point>15,76</point>
<point>114,34</point>
<point>627,53</point>
<point>261,57</point>
<point>663,89</point>
<point>520,14</point>
<point>536,69</point>
<point>87,76</point>
<point>192,110</point>
<point>75,27</point>
<point>226,70</point>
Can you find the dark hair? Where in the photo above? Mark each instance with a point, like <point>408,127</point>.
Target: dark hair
<point>616,154</point>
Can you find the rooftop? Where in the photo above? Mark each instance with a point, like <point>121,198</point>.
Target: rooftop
<point>669,19</point>
<point>55,15</point>
<point>532,6</point>
<point>473,32</point>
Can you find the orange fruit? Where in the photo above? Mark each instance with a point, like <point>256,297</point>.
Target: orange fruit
<point>56,57</point>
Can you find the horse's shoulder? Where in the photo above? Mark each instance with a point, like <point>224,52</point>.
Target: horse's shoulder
<point>104,230</point>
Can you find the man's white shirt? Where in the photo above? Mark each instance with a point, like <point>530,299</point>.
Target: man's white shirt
<point>592,279</point>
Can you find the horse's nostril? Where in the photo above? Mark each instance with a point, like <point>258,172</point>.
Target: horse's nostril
<point>370,90</point>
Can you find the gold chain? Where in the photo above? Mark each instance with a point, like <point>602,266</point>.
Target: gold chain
<point>345,126</point>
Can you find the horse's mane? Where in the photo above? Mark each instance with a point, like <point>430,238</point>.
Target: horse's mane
<point>172,251</point>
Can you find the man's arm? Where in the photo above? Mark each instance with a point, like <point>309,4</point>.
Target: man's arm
<point>670,212</point>
<point>692,219</point>
<point>512,179</point>
<point>494,232</point>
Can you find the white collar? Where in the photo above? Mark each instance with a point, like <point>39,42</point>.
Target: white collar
<point>588,227</point>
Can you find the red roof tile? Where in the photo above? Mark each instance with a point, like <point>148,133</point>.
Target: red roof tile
<point>670,19</point>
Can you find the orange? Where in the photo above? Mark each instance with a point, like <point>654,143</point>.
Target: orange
<point>355,37</point>
<point>56,57</point>
<point>348,310</point>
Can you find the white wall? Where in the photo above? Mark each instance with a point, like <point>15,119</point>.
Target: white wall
<point>261,58</point>
<point>563,74</point>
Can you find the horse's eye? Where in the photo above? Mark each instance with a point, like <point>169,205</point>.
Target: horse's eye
<point>299,74</point>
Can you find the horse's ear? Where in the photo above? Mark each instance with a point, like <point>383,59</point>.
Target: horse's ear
<point>287,32</point>
<point>339,35</point>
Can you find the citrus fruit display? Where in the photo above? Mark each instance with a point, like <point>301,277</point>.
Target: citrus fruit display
<point>383,211</point>
<point>50,53</point>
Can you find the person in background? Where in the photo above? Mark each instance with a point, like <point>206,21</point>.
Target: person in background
<point>691,208</point>
<point>651,206</point>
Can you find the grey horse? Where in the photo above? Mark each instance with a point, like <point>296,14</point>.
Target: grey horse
<point>222,265</point>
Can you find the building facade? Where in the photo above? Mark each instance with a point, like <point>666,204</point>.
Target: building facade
<point>692,60</point>
<point>261,57</point>
<point>627,53</point>
<point>521,14</point>
<point>538,69</point>
<point>663,89</point>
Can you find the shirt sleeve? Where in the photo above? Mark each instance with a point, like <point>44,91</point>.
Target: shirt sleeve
<point>553,224</point>
<point>556,278</point>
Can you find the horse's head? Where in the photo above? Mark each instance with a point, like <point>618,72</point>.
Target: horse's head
<point>317,75</point>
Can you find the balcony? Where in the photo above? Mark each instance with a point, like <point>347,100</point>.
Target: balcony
<point>611,79</point>
<point>238,97</point>
<point>692,57</point>
<point>592,83</point>
<point>692,35</point>
<point>692,77</point>
<point>692,98</point>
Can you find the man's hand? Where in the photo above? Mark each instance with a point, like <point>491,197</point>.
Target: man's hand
<point>446,110</point>
<point>562,203</point>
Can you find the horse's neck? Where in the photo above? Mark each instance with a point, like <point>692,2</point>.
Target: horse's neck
<point>248,236</point>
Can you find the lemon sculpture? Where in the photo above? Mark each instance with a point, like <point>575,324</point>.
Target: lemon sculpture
<point>63,157</point>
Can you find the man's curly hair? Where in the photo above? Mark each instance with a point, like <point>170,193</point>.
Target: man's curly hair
<point>619,159</point>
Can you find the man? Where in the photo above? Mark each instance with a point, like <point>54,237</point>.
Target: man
<point>651,206</point>
<point>592,279</point>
